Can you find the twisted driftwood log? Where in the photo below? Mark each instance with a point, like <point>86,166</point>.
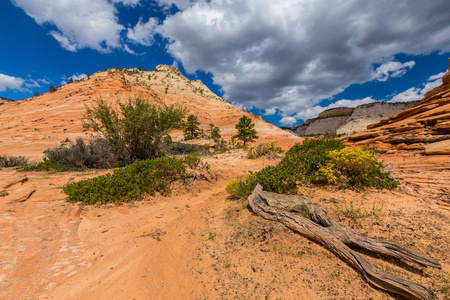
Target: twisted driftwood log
<point>316,225</point>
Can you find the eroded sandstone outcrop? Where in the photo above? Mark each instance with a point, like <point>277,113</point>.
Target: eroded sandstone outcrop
<point>424,127</point>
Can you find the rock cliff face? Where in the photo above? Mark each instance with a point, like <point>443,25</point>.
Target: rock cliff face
<point>30,126</point>
<point>424,127</point>
<point>350,120</point>
<point>367,114</point>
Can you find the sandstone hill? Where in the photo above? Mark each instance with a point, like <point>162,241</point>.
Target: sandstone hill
<point>345,120</point>
<point>424,127</point>
<point>30,126</point>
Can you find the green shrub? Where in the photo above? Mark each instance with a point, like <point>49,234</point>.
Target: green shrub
<point>12,161</point>
<point>355,167</point>
<point>302,163</point>
<point>179,148</point>
<point>47,164</point>
<point>136,130</point>
<point>128,183</point>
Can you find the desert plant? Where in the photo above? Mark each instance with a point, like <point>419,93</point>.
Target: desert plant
<point>301,165</point>
<point>179,148</point>
<point>144,177</point>
<point>95,154</point>
<point>191,129</point>
<point>135,131</point>
<point>246,132</point>
<point>12,161</point>
<point>51,89</point>
<point>355,167</point>
<point>45,165</point>
<point>271,150</point>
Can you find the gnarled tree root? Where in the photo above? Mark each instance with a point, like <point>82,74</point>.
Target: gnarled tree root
<point>335,237</point>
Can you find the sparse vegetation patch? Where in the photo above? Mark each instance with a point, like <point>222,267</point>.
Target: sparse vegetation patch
<point>12,161</point>
<point>145,177</point>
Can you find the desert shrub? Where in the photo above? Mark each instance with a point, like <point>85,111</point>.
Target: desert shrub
<point>271,150</point>
<point>12,161</point>
<point>306,158</point>
<point>128,183</point>
<point>179,148</point>
<point>136,130</point>
<point>45,165</point>
<point>355,167</point>
<point>78,155</point>
<point>302,163</point>
<point>220,146</point>
<point>193,161</point>
<point>95,154</point>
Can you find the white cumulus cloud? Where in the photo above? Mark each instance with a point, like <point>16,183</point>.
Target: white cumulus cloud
<point>288,121</point>
<point>79,23</point>
<point>417,93</point>
<point>10,82</point>
<point>290,55</point>
<point>143,33</point>
<point>18,83</point>
<point>392,69</point>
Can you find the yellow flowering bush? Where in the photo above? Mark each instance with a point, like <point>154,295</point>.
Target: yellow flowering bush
<point>355,167</point>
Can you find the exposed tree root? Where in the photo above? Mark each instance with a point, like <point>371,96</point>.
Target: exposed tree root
<point>314,223</point>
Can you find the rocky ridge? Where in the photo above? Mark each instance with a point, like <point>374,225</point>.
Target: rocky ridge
<point>345,120</point>
<point>424,127</point>
<point>30,126</point>
<point>5,100</point>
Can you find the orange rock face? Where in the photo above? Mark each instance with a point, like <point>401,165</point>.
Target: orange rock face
<point>28,127</point>
<point>425,126</point>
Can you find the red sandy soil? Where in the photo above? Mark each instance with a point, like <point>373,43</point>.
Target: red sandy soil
<point>197,244</point>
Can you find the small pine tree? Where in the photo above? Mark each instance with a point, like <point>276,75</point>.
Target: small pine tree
<point>191,129</point>
<point>51,89</point>
<point>215,134</point>
<point>36,94</point>
<point>246,131</point>
<point>211,127</point>
<point>70,80</point>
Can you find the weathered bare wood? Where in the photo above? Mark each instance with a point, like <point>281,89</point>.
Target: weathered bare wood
<point>346,235</point>
<point>333,236</point>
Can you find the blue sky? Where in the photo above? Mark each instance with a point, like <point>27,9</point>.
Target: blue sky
<point>285,60</point>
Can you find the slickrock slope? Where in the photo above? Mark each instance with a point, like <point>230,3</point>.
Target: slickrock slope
<point>424,127</point>
<point>28,127</point>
